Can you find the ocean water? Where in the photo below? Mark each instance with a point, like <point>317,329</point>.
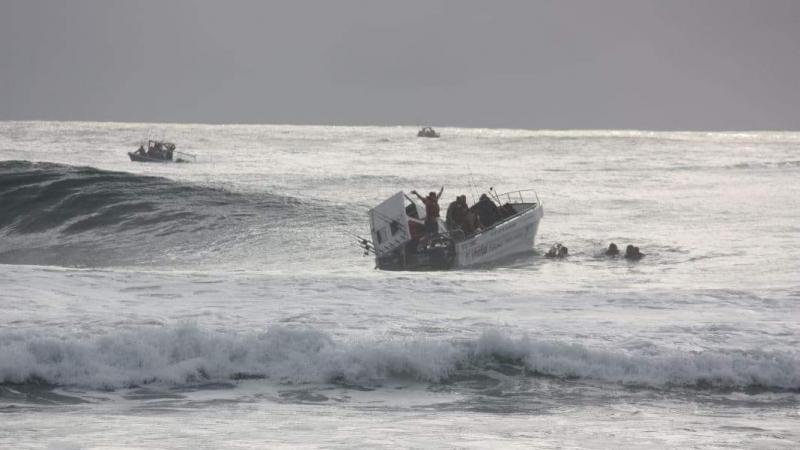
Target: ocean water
<point>225,303</point>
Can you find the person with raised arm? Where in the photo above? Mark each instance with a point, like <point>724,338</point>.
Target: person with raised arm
<point>431,203</point>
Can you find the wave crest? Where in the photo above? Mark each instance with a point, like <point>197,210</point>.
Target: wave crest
<point>82,216</point>
<point>187,354</point>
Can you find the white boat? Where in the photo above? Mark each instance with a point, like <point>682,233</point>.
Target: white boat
<point>395,249</point>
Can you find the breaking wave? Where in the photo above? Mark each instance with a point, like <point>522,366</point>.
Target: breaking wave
<point>188,354</point>
<point>82,216</point>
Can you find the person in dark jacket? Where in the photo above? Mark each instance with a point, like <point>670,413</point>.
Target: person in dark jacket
<point>457,214</point>
<point>487,211</point>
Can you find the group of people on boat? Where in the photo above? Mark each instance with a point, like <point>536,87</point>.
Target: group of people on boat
<point>157,150</point>
<point>460,219</point>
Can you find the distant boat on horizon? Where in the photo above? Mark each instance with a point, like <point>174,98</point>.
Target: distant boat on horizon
<point>427,132</point>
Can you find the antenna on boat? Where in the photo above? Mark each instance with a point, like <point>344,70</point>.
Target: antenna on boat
<point>496,197</point>
<point>471,186</point>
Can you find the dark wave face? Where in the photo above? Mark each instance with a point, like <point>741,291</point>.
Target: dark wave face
<point>55,214</point>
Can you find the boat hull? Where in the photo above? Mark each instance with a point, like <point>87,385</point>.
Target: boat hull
<point>144,158</point>
<point>514,236</point>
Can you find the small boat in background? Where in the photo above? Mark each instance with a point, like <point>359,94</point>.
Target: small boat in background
<point>427,132</point>
<point>160,151</point>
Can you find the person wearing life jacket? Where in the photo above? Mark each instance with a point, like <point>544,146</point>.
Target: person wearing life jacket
<point>431,203</point>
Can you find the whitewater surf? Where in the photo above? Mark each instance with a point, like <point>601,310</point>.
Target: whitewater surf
<point>144,303</point>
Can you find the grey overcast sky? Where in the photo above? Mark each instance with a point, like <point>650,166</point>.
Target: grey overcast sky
<point>637,64</point>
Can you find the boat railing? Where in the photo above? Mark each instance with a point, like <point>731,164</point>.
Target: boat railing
<point>521,196</point>
<point>524,196</point>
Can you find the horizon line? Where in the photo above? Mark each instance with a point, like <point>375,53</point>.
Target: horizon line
<point>222,124</point>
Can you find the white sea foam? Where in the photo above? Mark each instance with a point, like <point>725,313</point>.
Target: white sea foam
<point>188,354</point>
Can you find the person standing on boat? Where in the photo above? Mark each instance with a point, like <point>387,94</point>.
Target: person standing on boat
<point>457,214</point>
<point>488,212</point>
<point>431,203</point>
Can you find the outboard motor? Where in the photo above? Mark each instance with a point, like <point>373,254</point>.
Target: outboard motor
<point>439,253</point>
